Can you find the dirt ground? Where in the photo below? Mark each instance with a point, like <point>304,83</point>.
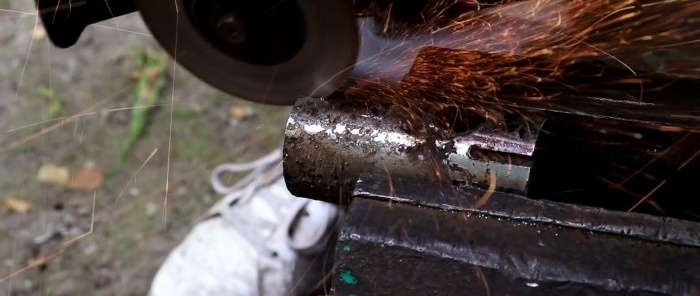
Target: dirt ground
<point>72,108</point>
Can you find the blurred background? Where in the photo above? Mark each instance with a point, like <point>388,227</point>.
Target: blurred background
<point>89,138</point>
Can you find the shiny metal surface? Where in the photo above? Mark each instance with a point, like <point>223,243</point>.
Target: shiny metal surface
<point>329,143</point>
<point>493,155</point>
<point>318,69</point>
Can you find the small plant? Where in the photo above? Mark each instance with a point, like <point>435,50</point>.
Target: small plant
<point>55,105</point>
<point>150,71</point>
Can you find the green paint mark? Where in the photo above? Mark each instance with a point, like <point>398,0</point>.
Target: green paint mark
<point>347,277</point>
<point>346,248</point>
<point>375,187</point>
<point>352,294</point>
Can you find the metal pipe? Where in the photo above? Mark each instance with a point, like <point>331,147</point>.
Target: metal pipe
<point>329,143</point>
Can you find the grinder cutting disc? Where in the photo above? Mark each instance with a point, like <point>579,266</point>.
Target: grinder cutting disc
<point>268,51</point>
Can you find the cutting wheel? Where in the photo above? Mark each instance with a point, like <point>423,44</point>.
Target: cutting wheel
<point>270,51</point>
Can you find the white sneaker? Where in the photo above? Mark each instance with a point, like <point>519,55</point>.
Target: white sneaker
<point>251,240</point>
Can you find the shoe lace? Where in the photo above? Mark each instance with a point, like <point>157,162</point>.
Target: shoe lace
<point>263,172</point>
<point>301,226</point>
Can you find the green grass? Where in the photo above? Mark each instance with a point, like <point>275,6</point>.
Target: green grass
<point>55,104</point>
<point>150,72</point>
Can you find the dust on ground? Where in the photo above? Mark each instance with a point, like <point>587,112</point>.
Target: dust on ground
<point>71,108</point>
